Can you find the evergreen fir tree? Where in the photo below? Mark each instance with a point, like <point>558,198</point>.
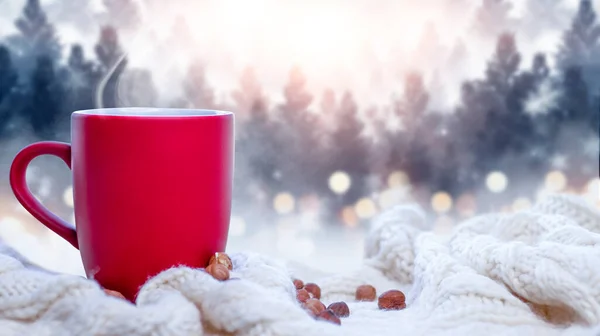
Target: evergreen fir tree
<point>406,146</point>
<point>415,99</point>
<point>575,101</point>
<point>328,108</point>
<point>532,83</point>
<point>8,74</point>
<point>540,69</point>
<point>8,84</point>
<point>506,116</point>
<point>197,90</point>
<point>349,148</point>
<point>501,70</point>
<point>37,37</point>
<point>301,135</point>
<point>297,99</point>
<point>410,144</point>
<point>579,55</point>
<point>249,97</point>
<point>257,144</point>
<point>577,118</point>
<point>108,49</point>
<point>46,97</point>
<point>83,79</point>
<point>581,43</point>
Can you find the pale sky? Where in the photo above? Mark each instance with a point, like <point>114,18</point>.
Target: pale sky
<point>342,44</point>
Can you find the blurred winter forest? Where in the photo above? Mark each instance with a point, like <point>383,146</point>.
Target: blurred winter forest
<point>461,124</point>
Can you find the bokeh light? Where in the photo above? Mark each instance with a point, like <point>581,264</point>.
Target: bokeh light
<point>555,181</point>
<point>68,196</point>
<point>309,203</point>
<point>365,208</point>
<point>284,203</point>
<point>339,182</point>
<point>592,191</point>
<point>397,179</point>
<point>496,182</point>
<point>466,205</point>
<point>237,226</point>
<point>441,202</point>
<point>349,217</point>
<point>521,203</point>
<point>393,196</point>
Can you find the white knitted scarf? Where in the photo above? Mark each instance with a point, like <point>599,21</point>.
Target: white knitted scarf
<point>535,272</point>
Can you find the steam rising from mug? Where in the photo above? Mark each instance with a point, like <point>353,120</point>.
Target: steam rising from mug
<point>98,100</point>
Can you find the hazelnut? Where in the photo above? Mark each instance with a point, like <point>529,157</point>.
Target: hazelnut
<point>218,271</point>
<point>302,295</point>
<point>328,315</point>
<point>392,300</point>
<point>314,306</point>
<point>221,258</point>
<point>366,293</point>
<point>340,309</point>
<point>298,283</point>
<point>113,293</point>
<point>314,290</point>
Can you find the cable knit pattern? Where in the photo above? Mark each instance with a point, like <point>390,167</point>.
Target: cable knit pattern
<point>536,272</point>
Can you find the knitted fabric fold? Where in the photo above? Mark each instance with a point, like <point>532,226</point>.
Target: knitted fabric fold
<point>536,272</point>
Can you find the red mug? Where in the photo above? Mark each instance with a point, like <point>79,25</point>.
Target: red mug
<point>151,190</point>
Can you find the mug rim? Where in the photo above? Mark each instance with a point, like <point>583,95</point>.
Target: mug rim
<point>152,112</point>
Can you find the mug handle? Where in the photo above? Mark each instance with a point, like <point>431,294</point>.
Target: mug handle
<point>18,183</point>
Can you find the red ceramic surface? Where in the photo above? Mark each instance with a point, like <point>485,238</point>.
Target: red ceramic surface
<point>152,190</point>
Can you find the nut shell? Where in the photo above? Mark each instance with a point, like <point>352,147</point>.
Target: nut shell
<point>392,300</point>
<point>366,293</point>
<point>302,295</point>
<point>328,315</point>
<point>298,283</point>
<point>218,271</point>
<point>223,259</point>
<point>340,309</point>
<point>113,293</point>
<point>314,290</point>
<point>314,306</point>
